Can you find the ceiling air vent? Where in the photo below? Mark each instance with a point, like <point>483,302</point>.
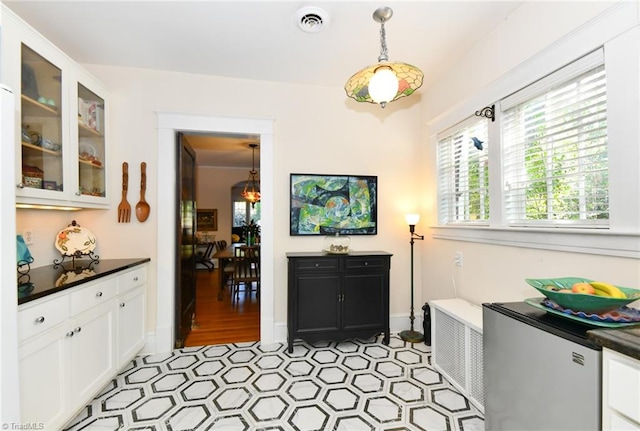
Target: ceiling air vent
<point>311,19</point>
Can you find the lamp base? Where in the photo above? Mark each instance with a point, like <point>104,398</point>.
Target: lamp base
<point>412,336</point>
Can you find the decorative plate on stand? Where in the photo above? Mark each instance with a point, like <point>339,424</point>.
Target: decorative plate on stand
<point>75,240</point>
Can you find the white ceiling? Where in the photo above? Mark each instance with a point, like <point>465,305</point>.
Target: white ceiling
<point>261,40</point>
<point>225,150</point>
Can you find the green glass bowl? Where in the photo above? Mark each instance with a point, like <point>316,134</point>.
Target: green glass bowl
<point>581,301</point>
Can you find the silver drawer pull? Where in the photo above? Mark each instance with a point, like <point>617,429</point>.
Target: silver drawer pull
<point>98,295</point>
<point>122,305</point>
<point>78,329</point>
<point>70,334</point>
<point>40,319</point>
<point>135,278</point>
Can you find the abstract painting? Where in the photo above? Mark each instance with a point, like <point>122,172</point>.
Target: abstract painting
<point>329,204</point>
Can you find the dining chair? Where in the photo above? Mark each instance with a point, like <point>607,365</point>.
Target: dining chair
<point>226,266</point>
<point>204,258</point>
<point>246,273</point>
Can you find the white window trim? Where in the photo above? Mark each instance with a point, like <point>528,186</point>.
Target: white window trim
<point>618,30</point>
<point>588,241</point>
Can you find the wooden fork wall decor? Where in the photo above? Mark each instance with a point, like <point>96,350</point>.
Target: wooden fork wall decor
<point>124,209</point>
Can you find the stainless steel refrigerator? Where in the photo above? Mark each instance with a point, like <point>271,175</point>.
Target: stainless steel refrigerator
<point>541,372</point>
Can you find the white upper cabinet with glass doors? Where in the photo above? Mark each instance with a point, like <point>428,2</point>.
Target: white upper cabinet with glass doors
<point>60,122</point>
<point>90,135</point>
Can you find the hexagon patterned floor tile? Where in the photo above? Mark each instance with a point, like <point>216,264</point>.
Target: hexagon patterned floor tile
<point>347,386</point>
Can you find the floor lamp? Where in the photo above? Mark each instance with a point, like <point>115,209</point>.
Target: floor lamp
<point>411,335</point>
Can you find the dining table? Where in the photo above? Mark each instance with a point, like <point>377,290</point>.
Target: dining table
<point>225,256</point>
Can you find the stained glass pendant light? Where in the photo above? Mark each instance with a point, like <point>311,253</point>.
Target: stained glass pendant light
<point>251,190</point>
<point>384,81</point>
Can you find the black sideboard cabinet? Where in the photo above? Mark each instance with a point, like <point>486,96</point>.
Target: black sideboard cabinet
<point>336,297</point>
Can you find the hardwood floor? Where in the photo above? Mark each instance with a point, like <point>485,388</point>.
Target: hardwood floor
<point>218,322</point>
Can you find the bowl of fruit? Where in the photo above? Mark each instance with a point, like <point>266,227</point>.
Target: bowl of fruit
<point>581,294</point>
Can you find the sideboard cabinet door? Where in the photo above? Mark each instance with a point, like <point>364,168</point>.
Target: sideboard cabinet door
<point>365,304</point>
<point>317,303</point>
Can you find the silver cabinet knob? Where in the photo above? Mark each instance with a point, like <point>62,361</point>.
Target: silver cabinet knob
<point>20,185</point>
<point>70,334</point>
<point>317,265</point>
<point>135,278</point>
<point>98,295</point>
<point>122,305</point>
<point>40,319</point>
<point>78,194</point>
<point>78,329</point>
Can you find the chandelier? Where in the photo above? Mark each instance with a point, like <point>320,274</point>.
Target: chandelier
<point>384,81</point>
<point>251,190</point>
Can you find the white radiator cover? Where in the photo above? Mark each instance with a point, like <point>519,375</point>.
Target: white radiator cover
<point>456,346</point>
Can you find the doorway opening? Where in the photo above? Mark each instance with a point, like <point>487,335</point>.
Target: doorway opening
<point>218,317</point>
<point>168,125</point>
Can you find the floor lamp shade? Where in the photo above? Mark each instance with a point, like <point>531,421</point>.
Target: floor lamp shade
<point>412,219</point>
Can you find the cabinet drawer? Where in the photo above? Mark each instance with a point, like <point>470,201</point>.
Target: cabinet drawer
<point>92,295</point>
<point>332,263</point>
<point>131,279</point>
<point>365,262</point>
<point>42,316</point>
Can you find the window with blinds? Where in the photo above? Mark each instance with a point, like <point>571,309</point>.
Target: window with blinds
<point>554,149</point>
<point>463,173</point>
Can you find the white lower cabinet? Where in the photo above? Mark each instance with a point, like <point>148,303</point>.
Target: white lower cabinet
<point>99,327</point>
<point>620,392</point>
<point>130,325</point>
<point>44,369</point>
<point>92,352</point>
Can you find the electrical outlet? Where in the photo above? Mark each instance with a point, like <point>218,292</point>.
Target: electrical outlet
<point>457,259</point>
<point>27,235</point>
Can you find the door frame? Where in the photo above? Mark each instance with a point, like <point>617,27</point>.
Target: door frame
<point>168,125</point>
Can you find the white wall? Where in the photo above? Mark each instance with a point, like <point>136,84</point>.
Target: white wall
<point>213,191</point>
<point>492,272</point>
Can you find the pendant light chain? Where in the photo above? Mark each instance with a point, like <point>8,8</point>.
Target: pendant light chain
<point>384,53</point>
<point>252,195</point>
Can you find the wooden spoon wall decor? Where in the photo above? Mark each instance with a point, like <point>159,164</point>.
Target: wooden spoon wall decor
<point>142,207</point>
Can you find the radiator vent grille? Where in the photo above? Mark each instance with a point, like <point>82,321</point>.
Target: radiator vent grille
<point>475,361</point>
<point>450,341</point>
<point>457,346</point>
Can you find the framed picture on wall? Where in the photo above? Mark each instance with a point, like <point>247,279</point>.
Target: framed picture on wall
<point>207,220</point>
<point>329,204</point>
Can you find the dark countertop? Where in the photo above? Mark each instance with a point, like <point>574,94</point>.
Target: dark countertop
<point>47,280</point>
<point>625,341</point>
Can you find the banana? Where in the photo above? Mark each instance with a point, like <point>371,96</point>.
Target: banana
<point>606,289</point>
